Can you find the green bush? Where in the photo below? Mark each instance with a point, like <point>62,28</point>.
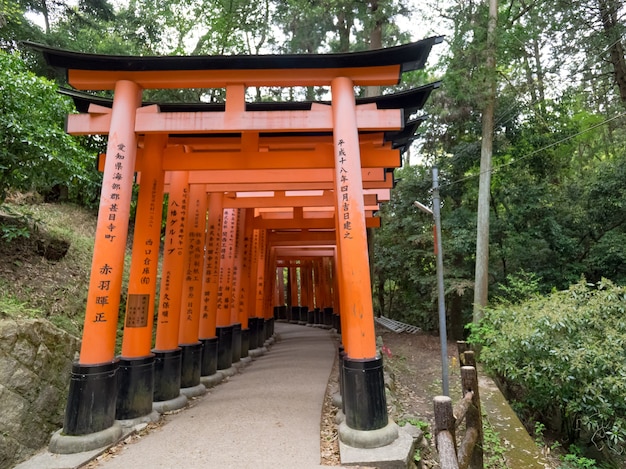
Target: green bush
<point>35,152</point>
<point>564,356</point>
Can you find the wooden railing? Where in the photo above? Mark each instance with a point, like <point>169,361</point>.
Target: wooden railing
<point>469,454</point>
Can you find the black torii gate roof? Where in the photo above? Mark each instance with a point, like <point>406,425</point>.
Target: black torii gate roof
<point>410,56</point>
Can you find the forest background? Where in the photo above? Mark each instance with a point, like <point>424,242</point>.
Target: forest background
<point>557,201</point>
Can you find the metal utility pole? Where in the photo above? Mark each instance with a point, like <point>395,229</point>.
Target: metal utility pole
<point>443,335</point>
<point>481,278</point>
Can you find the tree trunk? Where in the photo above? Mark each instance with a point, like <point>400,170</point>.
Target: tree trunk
<point>608,15</point>
<point>481,281</point>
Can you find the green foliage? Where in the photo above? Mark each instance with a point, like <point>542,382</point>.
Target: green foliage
<point>12,307</point>
<point>35,152</point>
<point>404,263</point>
<point>575,460</point>
<point>493,447</point>
<point>518,288</point>
<point>16,223</point>
<point>421,424</point>
<point>9,11</point>
<point>562,355</point>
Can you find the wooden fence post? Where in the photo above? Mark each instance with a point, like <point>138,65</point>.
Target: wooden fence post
<point>445,432</point>
<point>473,421</point>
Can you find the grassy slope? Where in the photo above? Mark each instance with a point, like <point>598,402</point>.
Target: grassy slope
<point>31,285</point>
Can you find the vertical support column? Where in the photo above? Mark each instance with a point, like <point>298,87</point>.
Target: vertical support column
<point>167,365</point>
<point>280,285</point>
<point>305,301</point>
<point>92,394</point>
<point>224,327</point>
<point>315,283</point>
<point>249,279</point>
<point>136,371</point>
<point>364,390</point>
<point>256,338</point>
<point>288,296</point>
<point>189,320</point>
<point>295,292</point>
<point>233,246</point>
<point>208,319</point>
<point>263,310</point>
<point>243,283</point>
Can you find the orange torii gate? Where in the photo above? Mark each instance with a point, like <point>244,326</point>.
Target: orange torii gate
<point>214,272</point>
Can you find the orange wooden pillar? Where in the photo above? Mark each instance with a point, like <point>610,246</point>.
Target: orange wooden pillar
<point>189,320</point>
<point>224,327</point>
<point>136,372</point>
<point>255,324</point>
<point>167,365</point>
<point>93,385</point>
<point>305,290</point>
<point>364,390</point>
<point>315,272</point>
<point>234,258</point>
<point>208,318</point>
<point>237,248</point>
<point>263,306</point>
<point>280,282</point>
<point>294,288</point>
<point>257,337</point>
<point>243,285</point>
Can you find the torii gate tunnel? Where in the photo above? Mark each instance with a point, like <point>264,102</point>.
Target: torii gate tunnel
<point>268,206</point>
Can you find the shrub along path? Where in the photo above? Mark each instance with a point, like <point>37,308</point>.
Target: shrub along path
<point>413,363</point>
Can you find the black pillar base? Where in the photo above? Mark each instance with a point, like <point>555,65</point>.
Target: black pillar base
<point>304,310</point>
<point>342,355</point>
<point>365,404</point>
<point>224,347</point>
<point>261,326</point>
<point>190,365</point>
<point>236,343</point>
<point>253,334</point>
<point>135,387</point>
<point>91,399</point>
<point>328,317</point>
<point>337,323</point>
<point>167,369</point>
<point>245,342</point>
<point>208,363</point>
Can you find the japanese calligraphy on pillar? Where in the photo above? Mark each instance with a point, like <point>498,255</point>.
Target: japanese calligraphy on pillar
<point>260,270</point>
<point>344,187</point>
<point>174,246</point>
<point>112,213</point>
<point>195,257</point>
<point>102,297</point>
<point>224,291</point>
<point>211,263</point>
<point>115,193</point>
<point>235,253</point>
<point>245,270</point>
<point>147,271</point>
